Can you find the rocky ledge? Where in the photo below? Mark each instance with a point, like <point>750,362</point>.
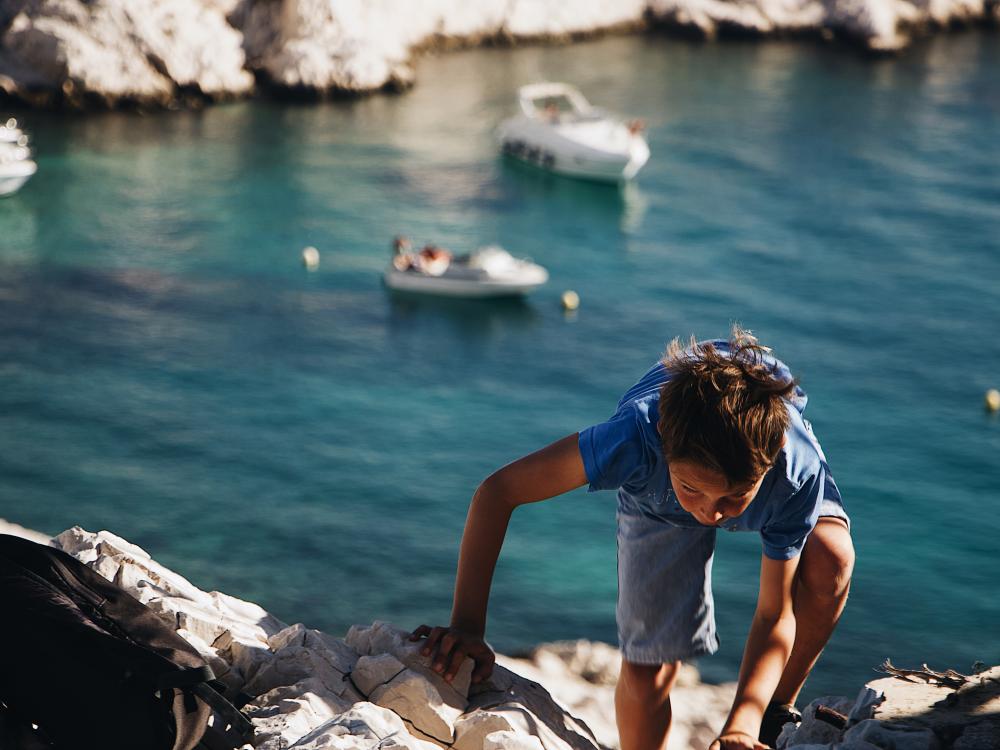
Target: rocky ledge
<point>308,690</point>
<point>81,53</point>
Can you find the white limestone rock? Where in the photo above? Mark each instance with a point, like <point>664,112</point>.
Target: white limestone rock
<point>248,655</point>
<point>882,25</point>
<point>156,51</point>
<point>220,667</point>
<point>591,661</point>
<point>472,729</point>
<point>215,618</point>
<point>253,615</point>
<point>121,50</point>
<point>383,638</point>
<point>302,654</point>
<point>359,45</point>
<point>88,547</point>
<point>284,715</point>
<point>874,733</point>
<point>581,675</point>
<point>411,696</point>
<point>372,671</point>
<point>362,727</point>
<point>354,45</point>
<point>6,527</point>
<point>530,710</point>
<point>511,741</point>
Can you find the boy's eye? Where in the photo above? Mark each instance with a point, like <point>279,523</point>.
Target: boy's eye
<point>688,488</point>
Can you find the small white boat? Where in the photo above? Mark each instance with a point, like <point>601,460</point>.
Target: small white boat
<point>559,130</point>
<point>488,272</point>
<point>16,166</point>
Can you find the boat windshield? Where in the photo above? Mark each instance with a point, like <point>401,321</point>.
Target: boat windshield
<point>558,104</point>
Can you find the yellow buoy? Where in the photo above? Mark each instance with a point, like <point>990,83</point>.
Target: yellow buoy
<point>570,300</point>
<point>310,258</point>
<point>992,400</point>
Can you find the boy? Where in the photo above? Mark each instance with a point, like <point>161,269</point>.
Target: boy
<point>711,437</point>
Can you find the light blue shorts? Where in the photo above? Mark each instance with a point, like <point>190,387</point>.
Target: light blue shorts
<point>665,608</point>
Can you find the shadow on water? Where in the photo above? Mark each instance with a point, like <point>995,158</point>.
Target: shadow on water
<point>622,203</point>
<point>470,316</point>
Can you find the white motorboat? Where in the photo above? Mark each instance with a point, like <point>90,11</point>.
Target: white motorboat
<point>559,130</point>
<point>14,174</point>
<point>16,166</point>
<point>488,272</point>
<point>11,133</point>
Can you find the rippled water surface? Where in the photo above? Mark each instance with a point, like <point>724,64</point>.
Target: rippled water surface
<point>170,372</point>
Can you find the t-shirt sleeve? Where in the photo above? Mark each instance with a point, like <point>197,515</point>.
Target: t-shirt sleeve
<point>614,452</point>
<point>785,536</point>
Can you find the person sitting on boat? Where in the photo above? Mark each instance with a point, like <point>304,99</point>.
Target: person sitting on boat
<point>434,260</point>
<point>403,258</point>
<point>552,113</point>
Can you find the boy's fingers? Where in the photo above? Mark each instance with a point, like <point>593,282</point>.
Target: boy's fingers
<point>455,662</point>
<point>448,642</point>
<point>445,647</point>
<point>431,643</point>
<point>484,666</point>
<point>419,632</point>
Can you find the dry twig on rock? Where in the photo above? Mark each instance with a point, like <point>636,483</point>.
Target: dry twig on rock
<point>948,678</point>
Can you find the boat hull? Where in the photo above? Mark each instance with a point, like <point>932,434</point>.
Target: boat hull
<point>13,175</point>
<point>443,286</point>
<point>534,144</point>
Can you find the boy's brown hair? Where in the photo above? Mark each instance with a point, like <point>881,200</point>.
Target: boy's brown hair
<point>723,411</point>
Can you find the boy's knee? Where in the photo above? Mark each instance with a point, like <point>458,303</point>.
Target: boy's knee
<point>828,559</point>
<point>648,683</point>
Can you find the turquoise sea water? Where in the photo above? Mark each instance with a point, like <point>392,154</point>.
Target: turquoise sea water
<point>169,371</point>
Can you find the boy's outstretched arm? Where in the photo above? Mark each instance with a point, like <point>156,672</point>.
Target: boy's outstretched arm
<point>768,647</point>
<point>551,471</point>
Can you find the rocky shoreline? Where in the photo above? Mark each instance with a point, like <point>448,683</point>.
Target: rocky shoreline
<point>81,54</point>
<point>308,690</point>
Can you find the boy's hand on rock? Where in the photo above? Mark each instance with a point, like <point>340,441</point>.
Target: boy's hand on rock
<point>448,647</point>
<point>737,741</point>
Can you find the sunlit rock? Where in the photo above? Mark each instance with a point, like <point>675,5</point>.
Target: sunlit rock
<point>383,638</point>
<point>120,51</point>
<point>285,714</point>
<point>161,52</point>
<point>472,729</point>
<point>511,741</point>
<point>303,658</point>
<point>363,727</point>
<point>372,671</point>
<point>411,696</point>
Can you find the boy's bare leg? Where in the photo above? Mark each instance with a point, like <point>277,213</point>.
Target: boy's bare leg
<point>824,578</point>
<point>642,704</point>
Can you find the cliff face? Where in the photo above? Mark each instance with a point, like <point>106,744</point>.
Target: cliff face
<point>161,52</point>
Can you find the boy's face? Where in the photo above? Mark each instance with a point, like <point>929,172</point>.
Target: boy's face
<point>707,494</point>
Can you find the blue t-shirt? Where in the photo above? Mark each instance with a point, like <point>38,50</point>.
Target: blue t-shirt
<point>624,453</point>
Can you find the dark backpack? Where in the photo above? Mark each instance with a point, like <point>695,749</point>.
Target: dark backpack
<point>83,664</point>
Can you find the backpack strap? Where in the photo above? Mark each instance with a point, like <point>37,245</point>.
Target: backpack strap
<point>185,678</point>
<point>194,683</point>
<point>236,722</point>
